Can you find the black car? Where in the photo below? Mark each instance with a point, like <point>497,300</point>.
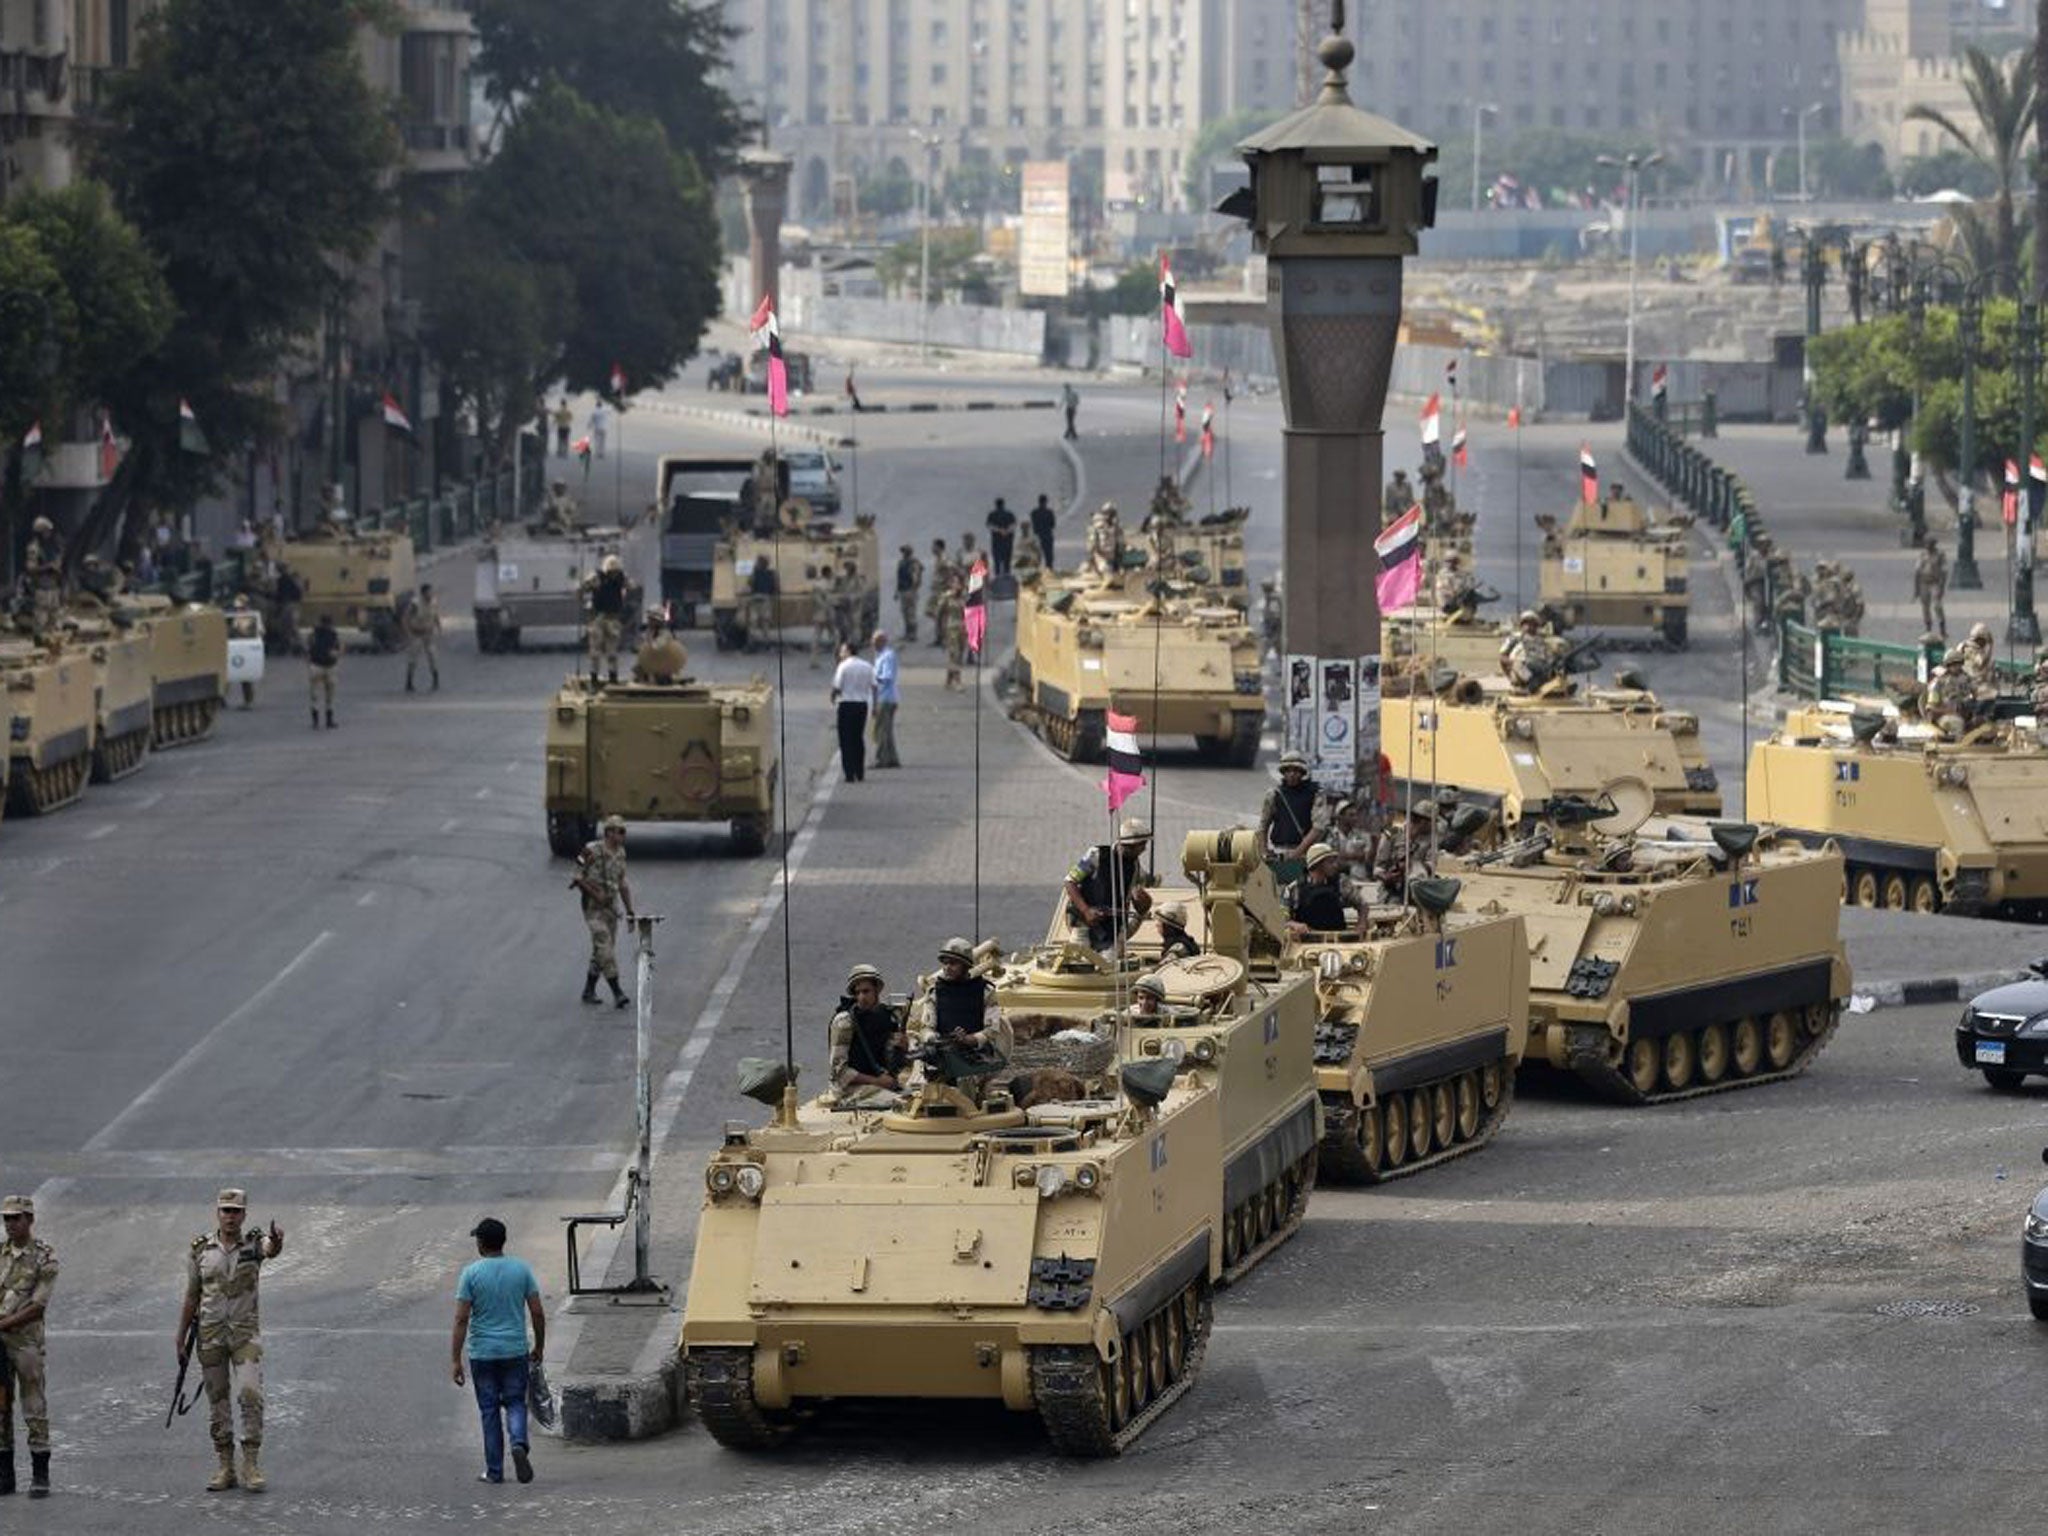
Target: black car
<point>2004,1032</point>
<point>2034,1253</point>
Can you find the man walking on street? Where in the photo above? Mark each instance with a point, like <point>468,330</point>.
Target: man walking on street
<point>853,691</point>
<point>1070,402</point>
<point>565,422</point>
<point>28,1273</point>
<point>1930,585</point>
<point>422,630</point>
<point>601,879</point>
<point>600,426</point>
<point>1002,538</point>
<point>1043,523</point>
<point>909,577</point>
<point>495,1298</point>
<point>323,660</point>
<point>887,696</point>
<point>222,1270</point>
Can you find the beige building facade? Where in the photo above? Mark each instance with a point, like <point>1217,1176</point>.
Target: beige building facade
<point>1906,54</point>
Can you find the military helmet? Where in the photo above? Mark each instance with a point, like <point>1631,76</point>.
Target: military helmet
<point>1150,983</point>
<point>612,563</point>
<point>17,1205</point>
<point>909,549</point>
<point>43,525</point>
<point>1174,912</point>
<point>560,485</point>
<point>615,823</point>
<point>1529,616</point>
<point>863,972</point>
<point>957,948</point>
<point>1134,830</point>
<point>1954,658</point>
<point>656,618</point>
<point>1980,634</point>
<point>1291,759</point>
<point>1319,854</point>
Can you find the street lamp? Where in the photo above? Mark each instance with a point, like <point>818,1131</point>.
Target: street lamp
<point>2023,628</point>
<point>1813,269</point>
<point>1804,114</point>
<point>1635,165</point>
<point>929,142</point>
<point>1969,319</point>
<point>1479,111</point>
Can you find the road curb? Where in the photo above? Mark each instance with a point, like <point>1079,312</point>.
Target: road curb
<point>1936,989</point>
<point>608,1408</point>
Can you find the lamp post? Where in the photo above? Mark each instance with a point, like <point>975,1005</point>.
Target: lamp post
<point>1804,114</point>
<point>1969,319</point>
<point>1813,268</point>
<point>1915,491</point>
<point>1635,165</point>
<point>1480,109</point>
<point>929,142</point>
<point>2023,628</point>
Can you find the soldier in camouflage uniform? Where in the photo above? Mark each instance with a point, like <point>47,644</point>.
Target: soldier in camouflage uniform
<point>2037,686</point>
<point>221,1274</point>
<point>909,577</point>
<point>28,1273</point>
<point>42,572</point>
<point>935,593</point>
<point>952,621</point>
<point>601,878</point>
<point>1930,586</point>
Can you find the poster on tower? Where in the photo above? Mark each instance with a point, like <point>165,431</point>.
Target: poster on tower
<point>1043,243</point>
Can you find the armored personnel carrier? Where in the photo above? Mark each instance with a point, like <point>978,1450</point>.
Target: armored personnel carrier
<point>806,557</point>
<point>1519,751</point>
<point>532,578</point>
<point>688,751</point>
<point>50,724</point>
<point>1179,667</point>
<point>1613,566</point>
<point>1667,967</point>
<point>1423,639</point>
<point>1206,551</point>
<point>1924,823</point>
<point>188,664</point>
<point>362,581</point>
<point>122,692</point>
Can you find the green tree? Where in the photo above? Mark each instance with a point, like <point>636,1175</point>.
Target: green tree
<point>1947,170</point>
<point>888,195</point>
<point>981,186</point>
<point>2002,117</point>
<point>662,59</point>
<point>251,153</point>
<point>38,331</point>
<point>1217,139</point>
<point>1838,168</point>
<point>954,254</point>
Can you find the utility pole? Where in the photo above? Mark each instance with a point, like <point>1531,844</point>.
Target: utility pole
<point>1479,111</point>
<point>1635,165</point>
<point>1968,320</point>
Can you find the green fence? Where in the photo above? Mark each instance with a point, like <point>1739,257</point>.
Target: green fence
<point>1826,664</point>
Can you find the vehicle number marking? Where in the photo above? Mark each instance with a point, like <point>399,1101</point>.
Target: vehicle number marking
<point>1991,1052</point>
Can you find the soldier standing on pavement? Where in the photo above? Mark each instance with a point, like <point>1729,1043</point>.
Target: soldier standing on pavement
<point>909,577</point>
<point>1930,585</point>
<point>28,1273</point>
<point>953,630</point>
<point>1756,582</point>
<point>941,566</point>
<point>607,616</point>
<point>601,880</point>
<point>1044,523</point>
<point>422,630</point>
<point>323,661</point>
<point>221,1274</point>
<point>1002,538</point>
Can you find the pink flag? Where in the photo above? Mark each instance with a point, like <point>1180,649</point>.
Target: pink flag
<point>975,611</point>
<point>769,334</point>
<point>1175,328</point>
<point>1399,548</point>
<point>1126,764</point>
<point>618,381</point>
<point>1589,476</point>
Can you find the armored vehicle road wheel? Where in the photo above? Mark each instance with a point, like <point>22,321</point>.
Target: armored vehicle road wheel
<point>1091,731</point>
<point>749,835</point>
<point>1926,896</point>
<point>1674,628</point>
<point>1645,1064</point>
<point>1863,886</point>
<point>1396,1145</point>
<point>1467,1091</point>
<point>1781,1040</point>
<point>1443,1115</point>
<point>38,791</point>
<point>1712,1051</point>
<point>1679,1060</point>
<point>1372,1139</point>
<point>122,755</point>
<point>1092,1407</point>
<point>720,1384</point>
<point>2004,1079</point>
<point>1746,1046</point>
<point>1419,1123</point>
<point>1493,1085</point>
<point>1895,893</point>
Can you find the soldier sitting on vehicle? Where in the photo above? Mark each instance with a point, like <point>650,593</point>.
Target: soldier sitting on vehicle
<point>870,1048</point>
<point>1979,661</point>
<point>1318,904</point>
<point>1148,1000</point>
<point>662,658</point>
<point>960,1009</point>
<point>1529,657</point>
<point>2037,686</point>
<point>1951,698</point>
<point>558,510</point>
<point>1174,939</point>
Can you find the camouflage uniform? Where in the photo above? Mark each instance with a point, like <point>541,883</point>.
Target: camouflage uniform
<point>952,619</point>
<point>824,616</point>
<point>2038,688</point>
<point>422,629</point>
<point>1526,658</point>
<point>935,593</point>
<point>1949,699</point>
<point>606,870</point>
<point>662,658</point>
<point>1105,544</point>
<point>1930,585</point>
<point>222,1281</point>
<point>28,1273</point>
<point>909,577</point>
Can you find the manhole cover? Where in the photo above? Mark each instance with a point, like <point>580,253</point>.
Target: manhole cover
<point>1924,1308</point>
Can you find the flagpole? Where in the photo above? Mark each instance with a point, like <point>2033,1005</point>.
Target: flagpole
<point>1227,501</point>
<point>977,769</point>
<point>1518,485</point>
<point>781,724</point>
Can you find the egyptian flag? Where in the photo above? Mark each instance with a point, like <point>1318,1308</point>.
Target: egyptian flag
<point>767,333</point>
<point>1432,421</point>
<point>1209,429</point>
<point>1451,375</point>
<point>618,381</point>
<point>1458,455</point>
<point>2037,492</point>
<point>1175,330</point>
<point>110,451</point>
<point>1658,381</point>
<point>394,415</point>
<point>1515,417</point>
<point>975,609</point>
<point>32,452</point>
<point>1399,548</point>
<point>1180,412</point>
<point>2009,502</point>
<point>190,438</point>
<point>1126,764</point>
<point>581,448</point>
<point>1589,476</point>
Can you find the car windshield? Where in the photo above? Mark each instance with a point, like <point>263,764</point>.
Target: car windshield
<point>806,463</point>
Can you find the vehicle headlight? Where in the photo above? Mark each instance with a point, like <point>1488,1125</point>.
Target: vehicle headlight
<point>1954,775</point>
<point>749,1180</point>
<point>1052,1180</point>
<point>1968,1020</point>
<point>719,1178</point>
<point>1523,727</point>
<point>2037,1025</point>
<point>1025,1176</point>
<point>1205,1050</point>
<point>1087,1176</point>
<point>2036,1229</point>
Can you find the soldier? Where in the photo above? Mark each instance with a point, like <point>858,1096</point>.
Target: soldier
<point>1399,495</point>
<point>1044,523</point>
<point>244,623</point>
<point>1756,584</point>
<point>952,622</point>
<point>558,509</point>
<point>1930,586</point>
<point>1792,594</point>
<point>1105,886</point>
<point>422,630</point>
<point>288,591</point>
<point>941,565</point>
<point>1527,656</point>
<point>1002,537</point>
<point>1174,939</point>
<point>323,662</point>
<point>1436,500</point>
<point>2038,686</point>
<point>1397,856</point>
<point>870,1049</point>
<point>1294,812</point>
<point>662,658</point>
<point>1850,607</point>
<point>824,615</point>
<point>42,570</point>
<point>909,577</point>
<point>961,1007</point>
<point>1352,839</point>
<point>222,1270</point>
<point>28,1273</point>
<point>1105,544</point>
<point>1978,661</point>
<point>1950,698</point>
<point>1318,905</point>
<point>1026,565</point>
<point>601,880</point>
<point>607,595</point>
<point>763,587</point>
<point>846,605</point>
<point>1148,997</point>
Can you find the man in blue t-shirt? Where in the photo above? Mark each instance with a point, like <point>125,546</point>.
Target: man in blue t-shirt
<point>489,1301</point>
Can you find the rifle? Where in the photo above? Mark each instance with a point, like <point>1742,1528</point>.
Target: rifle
<point>179,1403</point>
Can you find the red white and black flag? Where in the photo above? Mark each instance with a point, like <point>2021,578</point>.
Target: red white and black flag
<point>1432,421</point>
<point>1659,379</point>
<point>1459,456</point>
<point>1209,429</point>
<point>1399,549</point>
<point>1589,476</point>
<point>1126,763</point>
<point>767,333</point>
<point>2037,491</point>
<point>974,611</point>
<point>394,415</point>
<point>110,450</point>
<point>1180,411</point>
<point>1174,329</point>
<point>2009,502</point>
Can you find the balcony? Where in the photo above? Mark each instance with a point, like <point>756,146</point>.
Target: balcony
<point>436,148</point>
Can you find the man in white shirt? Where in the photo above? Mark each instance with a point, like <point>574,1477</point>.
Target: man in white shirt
<point>853,690</point>
<point>600,426</point>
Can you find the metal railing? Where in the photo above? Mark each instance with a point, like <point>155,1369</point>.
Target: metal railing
<point>1826,664</point>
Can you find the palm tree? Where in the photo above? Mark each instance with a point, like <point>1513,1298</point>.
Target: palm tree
<point>2040,161</point>
<point>2002,103</point>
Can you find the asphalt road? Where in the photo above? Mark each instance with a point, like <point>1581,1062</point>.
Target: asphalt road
<point>341,970</point>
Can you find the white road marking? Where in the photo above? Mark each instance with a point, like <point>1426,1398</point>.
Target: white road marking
<point>450,825</point>
<point>149,800</point>
<point>104,829</point>
<point>263,994</point>
<point>367,899</point>
<point>484,793</point>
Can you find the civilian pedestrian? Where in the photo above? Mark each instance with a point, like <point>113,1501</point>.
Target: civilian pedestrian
<point>887,697</point>
<point>1002,537</point>
<point>853,690</point>
<point>565,420</point>
<point>600,426</point>
<point>494,1300</point>
<point>1070,402</point>
<point>323,662</point>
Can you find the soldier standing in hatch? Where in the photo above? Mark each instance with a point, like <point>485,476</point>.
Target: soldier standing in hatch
<point>28,1273</point>
<point>607,616</point>
<point>662,658</point>
<point>909,577</point>
<point>601,879</point>
<point>221,1274</point>
<point>422,630</point>
<point>1930,586</point>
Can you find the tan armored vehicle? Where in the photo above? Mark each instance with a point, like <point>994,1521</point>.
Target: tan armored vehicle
<point>50,724</point>
<point>123,709</point>
<point>650,752</point>
<point>1924,823</point>
<point>188,664</point>
<point>807,557</point>
<point>363,581</point>
<point>1667,967</point>
<point>1179,667</point>
<point>1613,566</point>
<point>1421,638</point>
<point>532,578</point>
<point>1206,552</point>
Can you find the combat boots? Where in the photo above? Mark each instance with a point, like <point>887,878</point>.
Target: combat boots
<point>316,719</point>
<point>619,998</point>
<point>408,681</point>
<point>224,1477</point>
<point>7,1466</point>
<point>590,987</point>
<point>330,719</point>
<point>252,1474</point>
<point>39,1474</point>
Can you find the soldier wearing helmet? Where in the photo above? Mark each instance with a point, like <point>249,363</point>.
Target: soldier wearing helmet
<point>1105,543</point>
<point>601,881</point>
<point>1527,656</point>
<point>606,589</point>
<point>960,1008</point>
<point>1977,660</point>
<point>1294,814</point>
<point>662,658</point>
<point>1105,888</point>
<point>1318,905</point>
<point>1950,698</point>
<point>1174,938</point>
<point>869,1046</point>
<point>558,509</point>
<point>1148,997</point>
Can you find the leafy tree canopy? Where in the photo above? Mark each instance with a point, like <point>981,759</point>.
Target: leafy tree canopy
<point>1837,168</point>
<point>38,330</point>
<point>1947,170</point>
